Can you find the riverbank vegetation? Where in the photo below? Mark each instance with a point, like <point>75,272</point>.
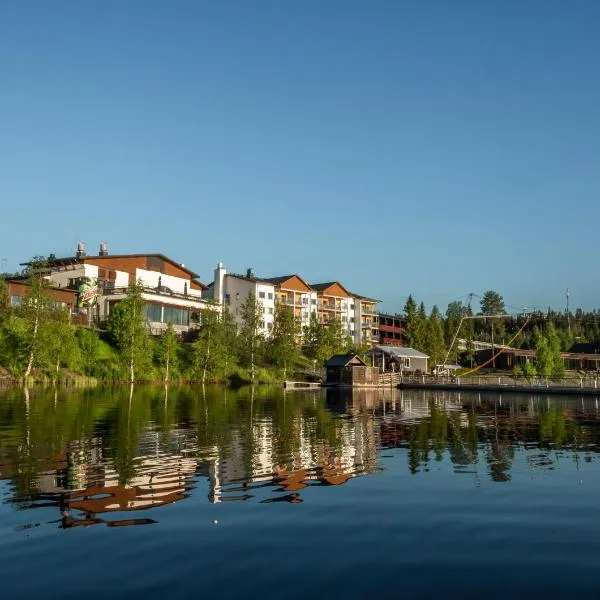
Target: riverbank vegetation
<point>39,342</point>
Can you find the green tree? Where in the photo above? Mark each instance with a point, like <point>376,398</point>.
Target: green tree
<point>251,337</point>
<point>335,340</point>
<point>313,338</point>
<point>492,303</point>
<point>283,345</point>
<point>4,298</point>
<point>59,343</point>
<point>212,351</point>
<point>435,346</point>
<point>543,356</point>
<point>411,328</point>
<point>35,310</point>
<point>127,326</point>
<point>89,349</point>
<point>168,351</point>
<point>554,345</point>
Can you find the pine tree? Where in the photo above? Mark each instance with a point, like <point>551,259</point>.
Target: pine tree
<point>421,328</point>
<point>251,338</point>
<point>435,346</point>
<point>411,328</point>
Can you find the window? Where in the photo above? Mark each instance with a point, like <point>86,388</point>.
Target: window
<point>405,362</point>
<point>269,326</point>
<point>304,300</point>
<point>15,300</point>
<point>227,299</point>
<point>313,301</point>
<point>176,316</point>
<point>269,310</point>
<point>261,295</point>
<point>153,313</point>
<point>270,295</point>
<point>237,295</point>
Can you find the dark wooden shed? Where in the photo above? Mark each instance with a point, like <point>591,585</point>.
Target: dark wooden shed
<point>350,370</point>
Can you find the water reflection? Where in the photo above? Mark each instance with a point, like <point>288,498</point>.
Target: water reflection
<point>97,455</point>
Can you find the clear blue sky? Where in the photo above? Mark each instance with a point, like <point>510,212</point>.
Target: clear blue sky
<point>433,148</point>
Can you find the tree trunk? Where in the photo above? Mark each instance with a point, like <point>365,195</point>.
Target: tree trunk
<point>167,367</point>
<point>32,351</point>
<point>206,358</point>
<point>57,365</point>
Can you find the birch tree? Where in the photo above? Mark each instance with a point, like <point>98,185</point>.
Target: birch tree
<point>251,338</point>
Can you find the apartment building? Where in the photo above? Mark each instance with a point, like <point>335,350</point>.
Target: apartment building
<point>173,293</point>
<point>329,301</point>
<point>357,313</point>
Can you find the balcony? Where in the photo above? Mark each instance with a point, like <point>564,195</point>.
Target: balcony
<point>162,291</point>
<point>368,310</point>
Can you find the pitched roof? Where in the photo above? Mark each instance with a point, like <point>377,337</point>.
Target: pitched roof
<point>284,278</point>
<point>321,287</point>
<point>399,351</point>
<point>341,360</point>
<point>359,297</point>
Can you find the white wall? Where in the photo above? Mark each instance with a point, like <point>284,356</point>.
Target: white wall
<point>177,284</point>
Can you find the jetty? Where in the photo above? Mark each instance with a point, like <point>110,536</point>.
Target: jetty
<point>505,384</point>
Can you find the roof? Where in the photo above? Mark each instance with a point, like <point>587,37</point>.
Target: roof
<point>359,297</point>
<point>399,351</point>
<point>341,360</point>
<point>80,260</point>
<point>320,287</point>
<point>284,278</point>
<point>250,279</point>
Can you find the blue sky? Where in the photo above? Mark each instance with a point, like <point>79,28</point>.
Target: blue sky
<point>433,148</point>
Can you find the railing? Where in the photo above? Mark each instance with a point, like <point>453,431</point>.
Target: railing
<point>162,291</point>
<point>505,381</point>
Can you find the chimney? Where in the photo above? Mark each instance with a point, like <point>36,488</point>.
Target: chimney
<point>219,286</point>
<point>103,249</point>
<point>80,250</point>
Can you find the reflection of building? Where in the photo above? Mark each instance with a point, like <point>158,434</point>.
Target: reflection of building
<point>313,460</point>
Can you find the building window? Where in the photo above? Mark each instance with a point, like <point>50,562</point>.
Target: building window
<point>153,313</point>
<point>405,363</point>
<point>269,310</point>
<point>15,300</point>
<point>313,301</point>
<point>261,295</point>
<point>237,295</point>
<point>269,326</point>
<point>227,299</point>
<point>270,295</point>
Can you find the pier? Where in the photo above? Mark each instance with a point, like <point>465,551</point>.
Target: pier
<point>505,384</point>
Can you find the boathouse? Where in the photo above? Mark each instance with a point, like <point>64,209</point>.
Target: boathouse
<point>350,370</point>
<point>398,359</point>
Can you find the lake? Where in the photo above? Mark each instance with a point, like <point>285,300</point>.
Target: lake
<point>191,492</point>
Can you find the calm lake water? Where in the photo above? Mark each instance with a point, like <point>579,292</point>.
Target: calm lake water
<point>228,494</point>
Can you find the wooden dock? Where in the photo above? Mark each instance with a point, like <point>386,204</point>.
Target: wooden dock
<point>301,385</point>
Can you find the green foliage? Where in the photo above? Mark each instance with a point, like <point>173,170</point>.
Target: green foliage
<point>313,339</point>
<point>58,342</point>
<point>89,349</point>
<point>4,298</point>
<point>434,344</point>
<point>411,333</point>
<point>529,369</point>
<point>213,351</point>
<point>492,303</point>
<point>127,327</point>
<point>282,347</point>
<point>168,352</point>
<point>251,339</point>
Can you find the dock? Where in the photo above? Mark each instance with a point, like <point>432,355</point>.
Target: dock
<point>302,385</point>
<point>504,384</point>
